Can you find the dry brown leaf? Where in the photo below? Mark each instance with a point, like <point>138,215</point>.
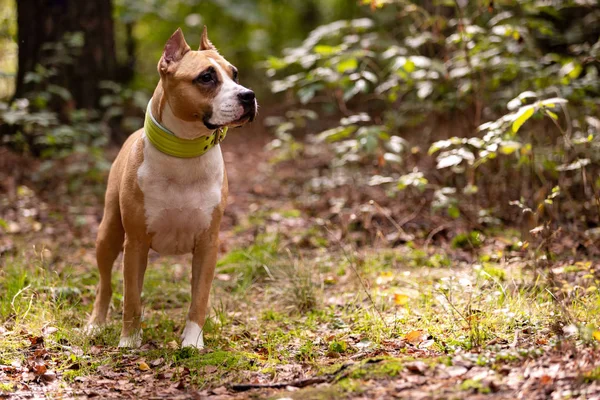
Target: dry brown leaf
<point>415,337</point>
<point>39,368</point>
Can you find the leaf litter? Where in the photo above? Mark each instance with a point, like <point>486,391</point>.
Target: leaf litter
<point>383,345</point>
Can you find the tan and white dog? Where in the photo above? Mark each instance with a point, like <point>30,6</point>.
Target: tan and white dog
<point>167,188</point>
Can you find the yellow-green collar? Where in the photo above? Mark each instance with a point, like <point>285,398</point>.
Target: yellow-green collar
<point>165,141</point>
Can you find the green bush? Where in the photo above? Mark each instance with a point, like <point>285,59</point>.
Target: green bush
<point>505,63</point>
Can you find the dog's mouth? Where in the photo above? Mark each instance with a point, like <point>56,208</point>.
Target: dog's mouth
<point>248,116</point>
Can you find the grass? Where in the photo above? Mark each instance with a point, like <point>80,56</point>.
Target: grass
<point>275,309</point>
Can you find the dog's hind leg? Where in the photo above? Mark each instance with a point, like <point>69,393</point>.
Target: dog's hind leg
<point>108,246</point>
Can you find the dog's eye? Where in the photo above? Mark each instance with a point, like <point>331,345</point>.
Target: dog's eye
<point>235,75</point>
<point>205,78</point>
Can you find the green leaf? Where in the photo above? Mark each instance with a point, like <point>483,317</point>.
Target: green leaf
<point>409,66</point>
<point>571,70</point>
<point>521,117</point>
<point>60,92</point>
<point>453,211</point>
<point>349,64</point>
<point>509,147</point>
<point>276,63</point>
<point>335,134</point>
<point>325,50</point>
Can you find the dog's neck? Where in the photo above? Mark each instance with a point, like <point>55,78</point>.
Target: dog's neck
<point>162,112</point>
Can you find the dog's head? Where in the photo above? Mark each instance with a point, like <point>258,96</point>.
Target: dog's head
<point>203,86</point>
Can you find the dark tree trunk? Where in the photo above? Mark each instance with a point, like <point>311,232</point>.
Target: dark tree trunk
<point>42,23</point>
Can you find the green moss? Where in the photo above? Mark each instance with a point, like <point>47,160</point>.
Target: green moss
<point>350,385</point>
<point>333,392</point>
<point>473,239</point>
<point>378,368</point>
<point>475,386</point>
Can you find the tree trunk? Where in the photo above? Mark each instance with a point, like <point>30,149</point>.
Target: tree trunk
<point>42,25</point>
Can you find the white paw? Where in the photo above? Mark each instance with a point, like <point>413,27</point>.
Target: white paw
<point>92,329</point>
<point>192,335</point>
<point>133,341</point>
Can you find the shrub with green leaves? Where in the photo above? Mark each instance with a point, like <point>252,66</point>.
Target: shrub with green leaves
<point>500,64</point>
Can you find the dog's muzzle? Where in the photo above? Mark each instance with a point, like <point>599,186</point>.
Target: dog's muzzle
<point>247,99</point>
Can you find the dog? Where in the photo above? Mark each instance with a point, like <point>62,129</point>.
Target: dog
<point>167,188</point>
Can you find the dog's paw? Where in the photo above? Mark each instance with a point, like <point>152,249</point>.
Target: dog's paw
<point>92,329</point>
<point>192,336</point>
<point>131,342</point>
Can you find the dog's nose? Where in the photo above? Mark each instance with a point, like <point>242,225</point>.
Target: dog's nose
<point>246,97</point>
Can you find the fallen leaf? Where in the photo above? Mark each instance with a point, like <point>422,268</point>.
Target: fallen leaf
<point>48,330</point>
<point>39,368</point>
<point>173,345</point>
<point>157,362</point>
<point>545,379</point>
<point>415,337</point>
<point>36,340</point>
<point>400,299</point>
<point>596,335</point>
<point>209,369</point>
<point>142,366</point>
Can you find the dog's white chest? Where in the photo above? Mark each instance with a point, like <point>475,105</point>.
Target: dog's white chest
<point>179,196</point>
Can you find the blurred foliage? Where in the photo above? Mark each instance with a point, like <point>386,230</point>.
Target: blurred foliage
<point>244,31</point>
<point>412,61</point>
<point>8,47</point>
<point>49,125</point>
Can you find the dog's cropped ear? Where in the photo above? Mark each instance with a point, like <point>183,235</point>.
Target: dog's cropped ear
<point>175,48</point>
<point>205,43</point>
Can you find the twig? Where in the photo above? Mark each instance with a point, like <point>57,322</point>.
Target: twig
<point>300,383</point>
<point>433,233</point>
<point>414,214</point>
<point>389,217</point>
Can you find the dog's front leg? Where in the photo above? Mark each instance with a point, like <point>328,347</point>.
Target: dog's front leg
<point>135,260</point>
<point>203,271</point>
